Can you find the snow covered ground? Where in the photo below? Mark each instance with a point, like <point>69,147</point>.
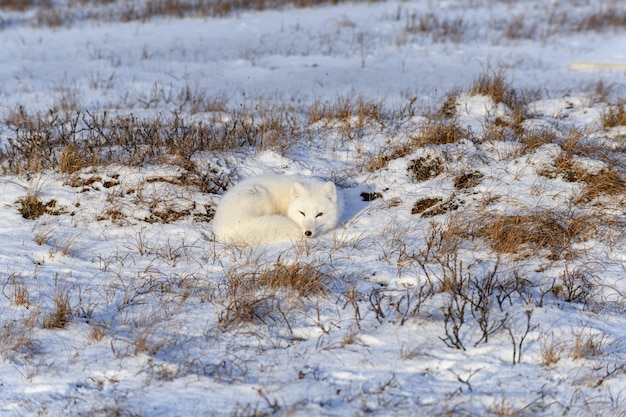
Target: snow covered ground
<point>116,301</point>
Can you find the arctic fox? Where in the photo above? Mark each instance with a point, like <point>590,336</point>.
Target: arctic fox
<point>273,208</point>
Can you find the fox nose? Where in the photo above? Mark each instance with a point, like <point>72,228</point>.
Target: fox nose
<point>308,233</point>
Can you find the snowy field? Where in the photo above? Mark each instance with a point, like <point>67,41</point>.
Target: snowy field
<point>480,265</point>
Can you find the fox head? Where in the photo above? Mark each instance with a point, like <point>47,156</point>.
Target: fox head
<point>313,208</point>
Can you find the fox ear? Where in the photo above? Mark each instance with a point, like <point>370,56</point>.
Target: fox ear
<point>330,191</point>
<point>297,190</point>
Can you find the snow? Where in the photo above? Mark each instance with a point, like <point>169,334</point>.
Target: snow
<point>150,332</point>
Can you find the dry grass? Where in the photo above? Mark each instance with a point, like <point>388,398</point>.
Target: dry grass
<point>493,85</point>
<point>19,295</point>
<point>440,132</point>
<point>420,206</point>
<point>551,351</point>
<point>537,230</point>
<point>22,5</point>
<point>32,207</point>
<point>253,297</point>
<point>61,314</point>
<point>47,13</point>
<point>439,29</point>
<point>68,142</point>
<point>614,116</point>
<point>587,345</point>
<point>608,182</point>
<point>537,137</point>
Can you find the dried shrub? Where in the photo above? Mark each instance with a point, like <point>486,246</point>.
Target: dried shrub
<point>425,167</point>
<point>22,5</point>
<point>67,142</point>
<point>304,279</point>
<point>440,30</point>
<point>574,286</point>
<point>448,109</point>
<point>600,20</point>
<point>386,155</point>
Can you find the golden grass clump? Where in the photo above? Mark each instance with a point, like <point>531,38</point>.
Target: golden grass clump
<point>304,279</point>
<point>440,132</point>
<point>614,116</point>
<point>542,229</point>
<point>31,206</point>
<point>61,314</point>
<point>71,160</point>
<point>493,85</point>
<point>607,182</point>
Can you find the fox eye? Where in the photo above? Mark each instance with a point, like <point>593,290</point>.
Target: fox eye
<point>301,212</point>
<point>319,214</point>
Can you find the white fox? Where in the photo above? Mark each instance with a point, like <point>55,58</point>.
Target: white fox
<point>273,208</point>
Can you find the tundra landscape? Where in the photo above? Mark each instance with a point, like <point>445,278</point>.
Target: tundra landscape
<point>479,152</point>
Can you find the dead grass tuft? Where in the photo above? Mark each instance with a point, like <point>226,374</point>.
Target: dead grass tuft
<point>587,345</point>
<point>304,279</point>
<point>440,132</point>
<point>537,137</point>
<point>614,116</point>
<point>21,5</point>
<point>551,351</point>
<point>61,314</point>
<point>492,85</point>
<point>440,30</point>
<point>31,206</point>
<point>608,182</point>
<point>430,207</point>
<point>537,230</point>
<point>71,160</point>
<point>609,17</point>
<point>448,109</point>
